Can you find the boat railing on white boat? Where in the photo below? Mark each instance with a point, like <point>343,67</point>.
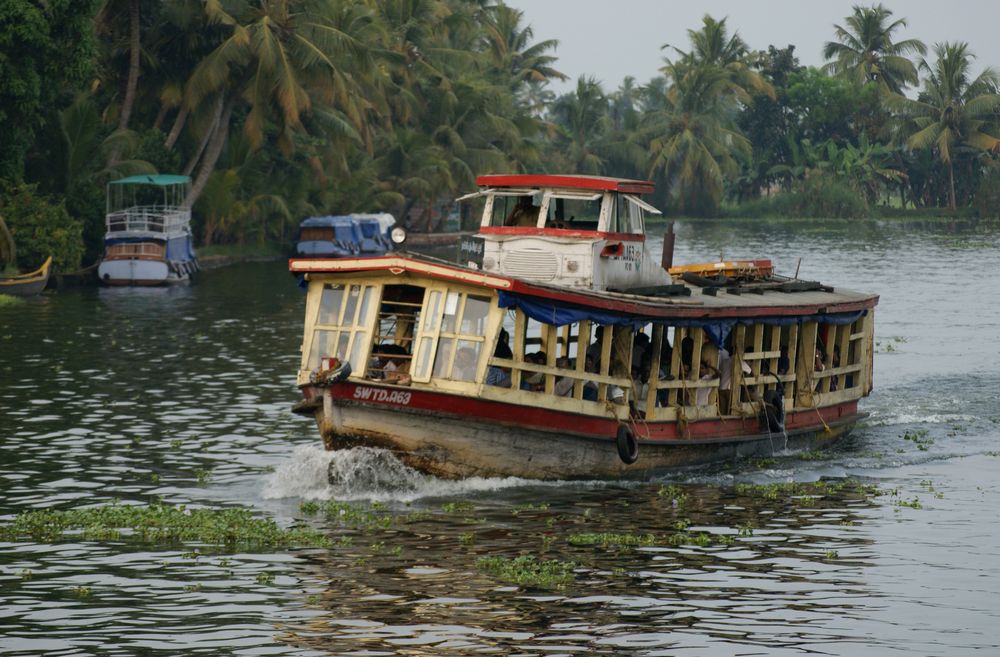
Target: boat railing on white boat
<point>149,220</point>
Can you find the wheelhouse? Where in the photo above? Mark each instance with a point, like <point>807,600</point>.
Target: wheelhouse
<point>578,231</point>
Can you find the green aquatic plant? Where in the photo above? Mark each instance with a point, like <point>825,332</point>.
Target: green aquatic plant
<point>453,507</point>
<point>355,516</point>
<point>203,476</point>
<point>526,570</point>
<point>265,578</point>
<point>607,539</point>
<point>674,493</point>
<point>919,438</point>
<point>912,504</point>
<point>543,506</point>
<point>159,523</point>
<point>465,538</point>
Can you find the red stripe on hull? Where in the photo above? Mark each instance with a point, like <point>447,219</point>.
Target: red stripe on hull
<point>543,419</point>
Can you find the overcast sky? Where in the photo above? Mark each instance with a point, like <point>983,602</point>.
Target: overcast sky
<point>611,39</point>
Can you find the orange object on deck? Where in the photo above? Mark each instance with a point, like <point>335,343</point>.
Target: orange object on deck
<point>744,269</point>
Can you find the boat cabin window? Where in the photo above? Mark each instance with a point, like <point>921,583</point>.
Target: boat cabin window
<point>514,207</point>
<point>342,329</point>
<point>450,338</point>
<point>398,317</point>
<point>624,216</point>
<point>573,211</point>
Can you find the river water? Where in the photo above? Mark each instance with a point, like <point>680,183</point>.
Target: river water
<point>890,545</point>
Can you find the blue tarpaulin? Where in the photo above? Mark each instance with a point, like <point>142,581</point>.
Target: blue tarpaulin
<point>557,313</point>
<point>180,248</point>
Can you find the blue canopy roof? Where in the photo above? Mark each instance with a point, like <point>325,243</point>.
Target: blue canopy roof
<point>548,311</point>
<point>326,222</point>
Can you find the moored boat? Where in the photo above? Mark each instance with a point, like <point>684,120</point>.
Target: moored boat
<point>562,348</point>
<point>148,239</point>
<point>345,235</point>
<point>27,285</point>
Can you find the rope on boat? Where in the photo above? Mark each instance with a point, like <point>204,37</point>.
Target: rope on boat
<point>826,427</point>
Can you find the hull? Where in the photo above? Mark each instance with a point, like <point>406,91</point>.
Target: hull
<point>24,288</point>
<point>476,437</point>
<point>134,272</point>
<point>28,285</point>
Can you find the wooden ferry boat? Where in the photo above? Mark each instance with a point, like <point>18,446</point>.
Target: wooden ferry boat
<point>561,348</point>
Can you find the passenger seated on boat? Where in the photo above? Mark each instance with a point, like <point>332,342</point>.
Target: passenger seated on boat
<point>640,388</point>
<point>535,381</point>
<point>834,380</point>
<point>640,347</point>
<point>783,363</point>
<point>706,373</point>
<point>564,386</point>
<point>500,376</point>
<point>395,363</point>
<point>590,387</point>
<point>524,213</point>
<point>594,350</point>
<point>725,380</point>
<point>465,365</point>
<point>819,364</point>
<point>687,351</point>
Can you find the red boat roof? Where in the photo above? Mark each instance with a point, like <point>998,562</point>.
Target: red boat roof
<point>573,182</point>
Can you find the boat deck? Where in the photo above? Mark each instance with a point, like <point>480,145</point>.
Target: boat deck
<point>774,297</point>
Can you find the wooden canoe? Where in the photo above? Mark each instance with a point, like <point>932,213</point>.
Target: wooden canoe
<point>27,285</point>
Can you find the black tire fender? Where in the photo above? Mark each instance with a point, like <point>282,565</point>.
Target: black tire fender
<point>628,446</point>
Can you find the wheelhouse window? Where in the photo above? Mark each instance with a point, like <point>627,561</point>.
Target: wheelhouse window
<point>577,211</point>
<point>626,214</point>
<point>343,322</point>
<point>513,207</point>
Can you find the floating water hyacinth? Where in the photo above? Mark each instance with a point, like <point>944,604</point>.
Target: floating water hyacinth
<point>160,523</point>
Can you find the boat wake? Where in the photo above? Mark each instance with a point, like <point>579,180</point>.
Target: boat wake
<point>365,473</point>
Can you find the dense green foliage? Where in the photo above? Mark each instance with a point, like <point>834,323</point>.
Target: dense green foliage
<point>282,109</point>
<point>40,228</point>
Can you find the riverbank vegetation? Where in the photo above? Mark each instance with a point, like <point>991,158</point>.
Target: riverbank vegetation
<point>289,108</point>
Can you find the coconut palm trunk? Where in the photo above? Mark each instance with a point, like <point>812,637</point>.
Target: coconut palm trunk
<point>175,130</point>
<point>214,150</point>
<point>952,205</point>
<point>132,82</point>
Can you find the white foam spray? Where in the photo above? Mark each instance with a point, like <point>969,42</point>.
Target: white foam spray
<point>365,473</point>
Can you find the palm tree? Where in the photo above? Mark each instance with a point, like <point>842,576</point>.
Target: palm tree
<point>694,144</point>
<point>953,110</point>
<point>582,119</point>
<point>865,52</point>
<point>279,56</point>
<point>511,53</point>
<point>712,46</point>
